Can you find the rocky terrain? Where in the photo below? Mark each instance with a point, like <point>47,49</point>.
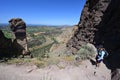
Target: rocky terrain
<point>99,24</point>
<point>58,67</point>
<point>7,47</point>
<point>62,71</point>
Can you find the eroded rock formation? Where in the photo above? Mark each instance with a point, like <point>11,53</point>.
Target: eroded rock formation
<point>100,24</point>
<point>90,19</point>
<point>5,46</point>
<point>8,47</point>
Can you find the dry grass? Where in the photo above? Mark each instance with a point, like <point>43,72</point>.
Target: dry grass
<point>42,63</point>
<point>68,58</point>
<point>15,61</point>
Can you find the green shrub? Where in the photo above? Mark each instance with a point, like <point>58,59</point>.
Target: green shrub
<point>85,52</point>
<point>7,34</point>
<point>36,41</point>
<point>42,52</point>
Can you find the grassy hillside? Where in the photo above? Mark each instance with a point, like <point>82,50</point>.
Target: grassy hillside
<point>40,39</point>
<point>48,45</point>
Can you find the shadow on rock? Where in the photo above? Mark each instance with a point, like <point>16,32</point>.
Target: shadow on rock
<point>93,62</point>
<point>8,48</point>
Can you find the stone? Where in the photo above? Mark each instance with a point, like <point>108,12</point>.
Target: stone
<point>100,24</point>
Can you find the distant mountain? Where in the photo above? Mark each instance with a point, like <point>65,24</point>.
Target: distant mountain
<point>37,25</point>
<point>3,24</point>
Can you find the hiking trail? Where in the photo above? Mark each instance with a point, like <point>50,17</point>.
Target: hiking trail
<point>85,71</point>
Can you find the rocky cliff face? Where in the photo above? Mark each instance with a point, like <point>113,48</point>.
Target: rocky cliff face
<point>7,47</point>
<point>100,24</point>
<point>90,20</point>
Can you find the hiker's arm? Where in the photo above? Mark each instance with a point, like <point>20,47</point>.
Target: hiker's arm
<point>106,53</point>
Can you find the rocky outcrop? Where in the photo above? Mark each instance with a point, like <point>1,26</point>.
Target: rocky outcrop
<point>90,19</point>
<point>8,47</point>
<point>100,24</point>
<point>116,74</point>
<point>5,46</point>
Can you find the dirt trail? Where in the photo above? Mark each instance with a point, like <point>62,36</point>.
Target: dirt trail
<point>85,71</point>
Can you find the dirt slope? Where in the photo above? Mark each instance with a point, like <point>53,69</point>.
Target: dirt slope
<point>85,71</point>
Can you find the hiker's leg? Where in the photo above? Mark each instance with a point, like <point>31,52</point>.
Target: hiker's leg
<point>98,65</point>
<point>98,62</point>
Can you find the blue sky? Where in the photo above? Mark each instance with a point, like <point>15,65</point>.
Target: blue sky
<point>49,12</point>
